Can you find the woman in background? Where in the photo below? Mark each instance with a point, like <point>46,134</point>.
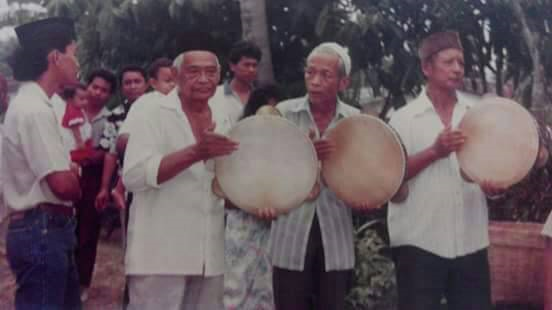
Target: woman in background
<point>248,273</point>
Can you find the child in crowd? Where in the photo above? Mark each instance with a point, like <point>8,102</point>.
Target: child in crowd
<point>248,274</point>
<point>162,81</point>
<point>162,75</point>
<point>74,119</point>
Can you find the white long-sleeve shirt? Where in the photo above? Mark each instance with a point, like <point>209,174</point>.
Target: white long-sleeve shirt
<point>177,227</point>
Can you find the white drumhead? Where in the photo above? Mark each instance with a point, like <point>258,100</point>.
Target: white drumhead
<point>275,165</point>
<point>369,163</point>
<point>502,142</point>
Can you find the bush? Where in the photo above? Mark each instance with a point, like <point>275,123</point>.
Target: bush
<point>374,284</point>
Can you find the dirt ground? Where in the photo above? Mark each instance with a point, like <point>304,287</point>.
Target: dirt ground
<point>107,285</point>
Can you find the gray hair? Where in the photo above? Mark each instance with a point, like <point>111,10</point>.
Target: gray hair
<point>177,62</point>
<point>331,48</point>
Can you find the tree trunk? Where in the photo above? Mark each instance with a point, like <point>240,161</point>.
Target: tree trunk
<point>537,76</point>
<point>499,73</point>
<point>255,29</point>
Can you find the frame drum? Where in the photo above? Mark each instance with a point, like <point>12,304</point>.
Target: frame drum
<point>275,165</point>
<point>502,142</point>
<point>369,163</point>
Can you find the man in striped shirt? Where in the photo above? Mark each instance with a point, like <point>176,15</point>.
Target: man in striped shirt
<point>312,246</point>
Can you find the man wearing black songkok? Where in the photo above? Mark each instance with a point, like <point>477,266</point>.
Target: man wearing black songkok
<point>41,183</point>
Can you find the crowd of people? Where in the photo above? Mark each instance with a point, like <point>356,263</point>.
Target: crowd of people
<point>65,156</point>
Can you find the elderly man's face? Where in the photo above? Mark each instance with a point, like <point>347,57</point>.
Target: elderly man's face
<point>199,76</point>
<point>324,79</point>
<point>445,69</point>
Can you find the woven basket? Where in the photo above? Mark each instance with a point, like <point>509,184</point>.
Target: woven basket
<point>516,261</point>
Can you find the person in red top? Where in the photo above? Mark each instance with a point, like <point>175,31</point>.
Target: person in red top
<point>75,120</point>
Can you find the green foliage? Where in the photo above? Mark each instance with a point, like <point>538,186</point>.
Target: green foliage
<point>374,275</point>
<point>382,36</point>
<point>113,33</point>
<point>14,17</point>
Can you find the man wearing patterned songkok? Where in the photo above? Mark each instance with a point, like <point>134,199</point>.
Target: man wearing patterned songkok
<point>439,232</point>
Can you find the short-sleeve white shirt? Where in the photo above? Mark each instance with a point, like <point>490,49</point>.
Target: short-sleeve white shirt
<point>32,148</point>
<point>443,214</point>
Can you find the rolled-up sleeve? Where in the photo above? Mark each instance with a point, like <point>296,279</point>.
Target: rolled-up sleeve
<point>42,143</point>
<point>142,158</point>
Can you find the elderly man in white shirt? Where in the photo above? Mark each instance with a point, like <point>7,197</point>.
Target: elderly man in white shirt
<point>439,233</point>
<point>175,251</point>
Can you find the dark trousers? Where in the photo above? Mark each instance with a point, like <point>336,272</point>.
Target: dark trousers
<point>126,297</point>
<point>40,251</point>
<point>423,279</point>
<point>88,223</point>
<point>313,288</point>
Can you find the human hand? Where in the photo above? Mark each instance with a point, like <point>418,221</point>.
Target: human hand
<point>211,145</point>
<point>267,214</point>
<point>363,206</point>
<point>118,199</point>
<point>101,199</point>
<point>324,147</point>
<point>449,140</point>
<point>492,190</point>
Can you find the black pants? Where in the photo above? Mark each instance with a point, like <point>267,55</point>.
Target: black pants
<point>424,278</point>
<point>126,297</point>
<point>88,223</point>
<point>312,288</point>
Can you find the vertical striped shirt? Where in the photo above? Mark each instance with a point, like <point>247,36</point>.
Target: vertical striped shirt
<point>443,214</point>
<point>290,232</point>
